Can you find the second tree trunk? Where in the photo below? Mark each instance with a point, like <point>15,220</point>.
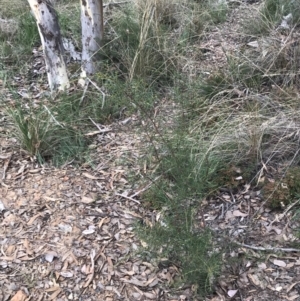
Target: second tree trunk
<point>92,33</point>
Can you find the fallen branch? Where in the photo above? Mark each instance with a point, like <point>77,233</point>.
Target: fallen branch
<point>273,249</point>
<point>104,130</point>
<point>281,216</point>
<point>84,92</point>
<point>145,188</point>
<point>103,94</point>
<point>128,198</point>
<point>5,166</point>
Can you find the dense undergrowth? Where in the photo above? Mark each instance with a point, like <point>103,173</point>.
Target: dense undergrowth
<point>245,115</point>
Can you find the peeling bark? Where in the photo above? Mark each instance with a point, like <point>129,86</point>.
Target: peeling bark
<point>47,22</point>
<point>92,32</point>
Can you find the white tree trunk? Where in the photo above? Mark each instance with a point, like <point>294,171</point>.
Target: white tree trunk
<point>92,32</point>
<point>47,22</point>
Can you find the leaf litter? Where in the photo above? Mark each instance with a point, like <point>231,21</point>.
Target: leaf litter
<point>67,234</point>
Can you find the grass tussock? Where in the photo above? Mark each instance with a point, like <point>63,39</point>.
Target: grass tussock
<point>154,35</point>
<point>273,14</point>
<point>11,9</point>
<point>55,131</point>
<point>17,37</point>
<point>44,137</point>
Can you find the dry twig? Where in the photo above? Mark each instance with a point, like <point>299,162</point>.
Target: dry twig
<point>273,249</point>
<point>128,198</point>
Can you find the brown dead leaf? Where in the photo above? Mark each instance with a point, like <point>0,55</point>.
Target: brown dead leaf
<point>126,212</point>
<point>5,167</point>
<point>256,281</point>
<point>9,219</point>
<point>55,294</point>
<point>10,250</point>
<point>134,281</point>
<point>150,296</point>
<point>25,257</point>
<point>109,261</point>
<point>10,258</point>
<point>104,220</point>
<point>89,176</point>
<point>292,296</point>
<point>292,285</point>
<point>87,200</point>
<point>88,280</point>
<point>238,213</point>
<point>31,221</point>
<point>21,170</point>
<point>34,171</point>
<point>290,265</point>
<point>49,199</point>
<point>154,282</point>
<point>19,296</point>
<point>7,258</point>
<point>110,267</point>
<point>129,273</point>
<point>279,263</point>
<point>67,274</point>
<point>52,289</point>
<point>85,269</point>
<point>26,245</point>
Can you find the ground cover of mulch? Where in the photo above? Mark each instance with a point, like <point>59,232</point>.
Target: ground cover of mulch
<point>67,233</point>
<point>262,259</point>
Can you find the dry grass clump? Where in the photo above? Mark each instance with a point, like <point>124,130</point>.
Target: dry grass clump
<point>12,8</point>
<point>281,191</point>
<point>10,11</point>
<point>246,131</point>
<point>132,29</point>
<point>276,194</point>
<point>8,26</point>
<point>183,15</point>
<point>248,112</point>
<point>278,57</point>
<point>155,35</point>
<point>273,15</point>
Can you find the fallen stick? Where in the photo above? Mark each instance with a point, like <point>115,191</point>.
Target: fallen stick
<point>103,94</point>
<point>281,216</point>
<point>5,167</point>
<point>105,130</point>
<point>145,188</point>
<point>266,249</point>
<point>128,198</point>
